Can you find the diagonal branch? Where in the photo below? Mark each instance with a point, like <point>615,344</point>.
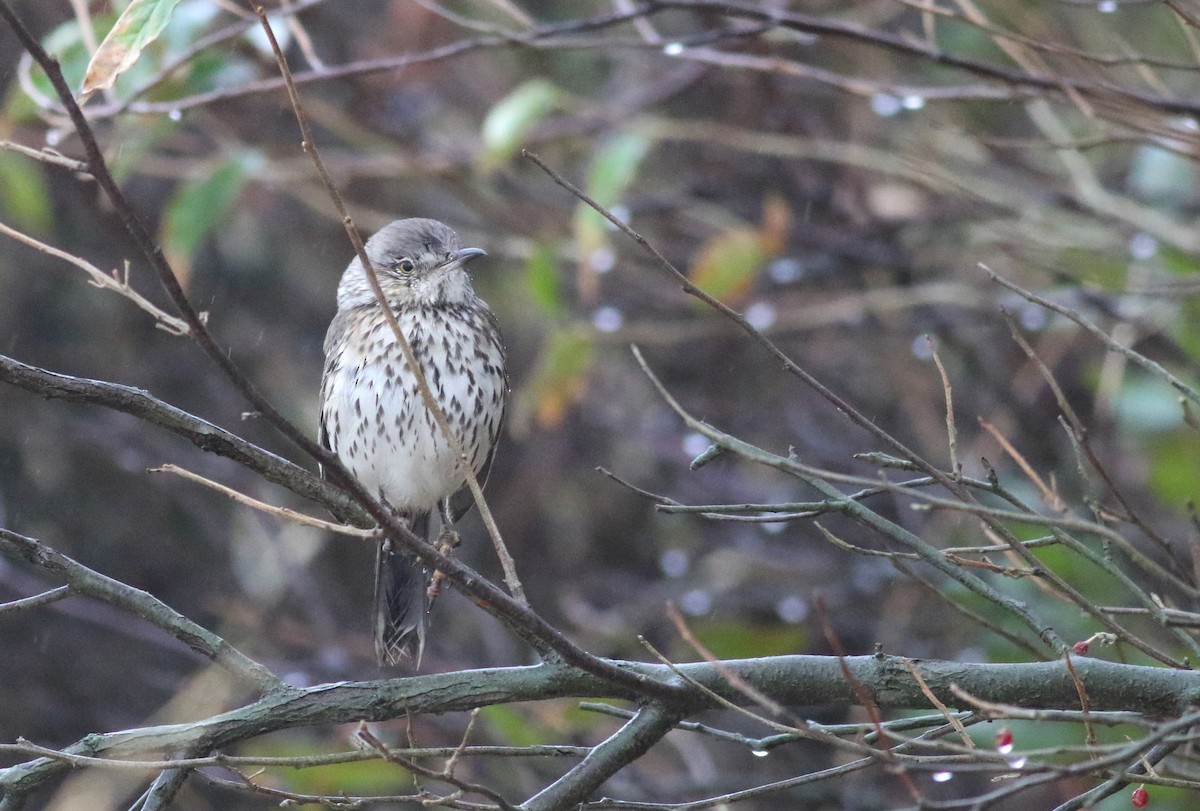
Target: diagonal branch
<point>201,433</point>
<point>117,282</point>
<point>83,580</point>
<point>928,553</point>
<point>626,745</point>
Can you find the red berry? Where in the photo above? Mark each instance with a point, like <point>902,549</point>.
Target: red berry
<point>1080,648</point>
<point>1004,738</point>
<point>1140,798</point>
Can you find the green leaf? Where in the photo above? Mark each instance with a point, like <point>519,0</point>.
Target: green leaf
<point>541,279</point>
<point>138,26</point>
<point>728,639</point>
<point>511,118</point>
<point>728,264</point>
<point>613,170</point>
<point>196,208</point>
<point>557,382</point>
<point>23,193</point>
<point>511,726</point>
<point>1175,467</point>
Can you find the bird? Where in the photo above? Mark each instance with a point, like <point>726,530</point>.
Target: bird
<point>375,421</point>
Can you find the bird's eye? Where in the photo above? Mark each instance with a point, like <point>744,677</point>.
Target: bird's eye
<point>405,265</point>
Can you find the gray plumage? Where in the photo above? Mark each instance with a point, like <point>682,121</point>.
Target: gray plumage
<point>372,413</point>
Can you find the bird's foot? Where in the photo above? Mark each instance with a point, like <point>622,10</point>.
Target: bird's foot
<point>447,542</point>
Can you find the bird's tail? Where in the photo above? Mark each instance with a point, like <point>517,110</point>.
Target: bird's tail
<point>401,601</point>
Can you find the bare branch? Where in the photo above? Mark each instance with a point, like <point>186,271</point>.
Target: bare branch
<point>84,581</point>
<point>280,512</point>
<point>116,281</point>
<point>629,743</point>
<point>36,601</point>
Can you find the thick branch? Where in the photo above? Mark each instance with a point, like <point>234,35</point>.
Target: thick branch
<point>625,746</point>
<point>791,680</point>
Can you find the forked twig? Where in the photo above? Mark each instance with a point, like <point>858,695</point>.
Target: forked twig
<point>948,392</point>
<point>115,281</point>
<point>365,735</point>
<point>950,717</point>
<point>1113,346</point>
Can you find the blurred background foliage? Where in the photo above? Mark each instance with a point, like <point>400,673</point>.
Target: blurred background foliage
<point>842,195</point>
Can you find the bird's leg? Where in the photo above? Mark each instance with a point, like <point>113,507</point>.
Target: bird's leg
<point>447,542</point>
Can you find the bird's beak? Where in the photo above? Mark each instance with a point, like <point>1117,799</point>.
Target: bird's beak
<point>464,255</point>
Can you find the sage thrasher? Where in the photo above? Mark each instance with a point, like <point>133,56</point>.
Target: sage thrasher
<point>374,418</point>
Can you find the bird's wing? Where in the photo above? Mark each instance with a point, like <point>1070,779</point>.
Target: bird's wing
<point>458,503</point>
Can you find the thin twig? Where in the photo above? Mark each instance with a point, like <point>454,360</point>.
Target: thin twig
<point>735,681</point>
<point>1113,345</point>
<point>1084,702</point>
<point>948,393</point>
<point>867,701</point>
<point>911,667</point>
<point>36,601</point>
<point>116,281</point>
<point>48,156</point>
<point>270,509</point>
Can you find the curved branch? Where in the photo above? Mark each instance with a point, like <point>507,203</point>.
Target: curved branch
<point>201,433</point>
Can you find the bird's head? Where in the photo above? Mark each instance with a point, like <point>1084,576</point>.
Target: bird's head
<point>417,261</point>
